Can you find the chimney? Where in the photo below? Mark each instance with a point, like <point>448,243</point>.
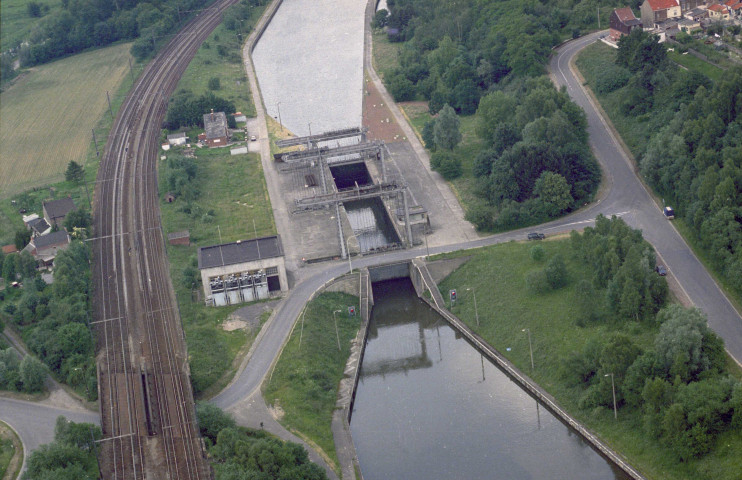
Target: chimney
<point>212,114</point>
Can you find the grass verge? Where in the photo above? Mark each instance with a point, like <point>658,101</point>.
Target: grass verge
<point>506,307</point>
<point>304,382</point>
<point>11,453</point>
<point>696,64</point>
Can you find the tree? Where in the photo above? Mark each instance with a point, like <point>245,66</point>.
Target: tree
<point>554,191</point>
<point>79,218</point>
<point>212,420</point>
<point>428,135</point>
<point>74,172</point>
<point>446,130</point>
<point>33,9</point>
<point>556,272</point>
<point>33,374</point>
<point>9,269</point>
<point>685,345</point>
<point>22,237</point>
<point>380,18</point>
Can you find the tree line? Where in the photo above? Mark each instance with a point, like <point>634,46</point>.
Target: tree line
<point>694,156</point>
<point>80,24</point>
<point>678,383</point>
<point>455,52</point>
<point>239,452</point>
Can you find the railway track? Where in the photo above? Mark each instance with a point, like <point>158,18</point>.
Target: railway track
<point>147,411</point>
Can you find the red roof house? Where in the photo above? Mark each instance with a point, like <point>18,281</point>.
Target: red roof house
<point>656,11</point>
<point>622,22</point>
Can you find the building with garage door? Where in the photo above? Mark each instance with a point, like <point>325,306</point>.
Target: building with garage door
<point>243,271</point>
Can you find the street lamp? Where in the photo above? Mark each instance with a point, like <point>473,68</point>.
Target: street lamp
<point>347,249</point>
<point>336,327</point>
<point>530,345</point>
<point>278,107</point>
<point>613,386</point>
<point>476,312</point>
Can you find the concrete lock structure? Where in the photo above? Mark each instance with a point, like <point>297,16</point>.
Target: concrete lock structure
<point>242,271</point>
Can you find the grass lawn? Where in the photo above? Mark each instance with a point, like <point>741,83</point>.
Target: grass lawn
<point>305,380</point>
<point>385,53</point>
<point>696,64</point>
<point>48,115</point>
<point>233,188</point>
<point>11,452</point>
<point>505,306</point>
<point>16,24</point>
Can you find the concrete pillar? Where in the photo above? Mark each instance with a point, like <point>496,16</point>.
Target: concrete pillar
<point>408,228</point>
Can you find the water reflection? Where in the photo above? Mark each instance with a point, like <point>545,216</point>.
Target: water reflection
<point>429,406</point>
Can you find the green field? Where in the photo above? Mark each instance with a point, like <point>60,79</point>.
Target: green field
<point>47,116</point>
<point>233,196</point>
<point>11,452</point>
<point>305,380</point>
<point>15,23</point>
<point>506,307</point>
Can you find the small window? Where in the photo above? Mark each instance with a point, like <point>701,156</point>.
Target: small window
<point>271,271</point>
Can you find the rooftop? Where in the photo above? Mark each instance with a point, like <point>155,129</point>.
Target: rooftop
<point>217,126</point>
<point>662,4</point>
<point>240,251</point>
<point>59,208</point>
<point>7,249</point>
<point>175,136</point>
<point>55,238</point>
<point>717,8</point>
<point>625,14</point>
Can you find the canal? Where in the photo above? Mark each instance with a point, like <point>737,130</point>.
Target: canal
<point>429,406</point>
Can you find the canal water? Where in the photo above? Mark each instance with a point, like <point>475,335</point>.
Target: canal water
<point>429,406</point>
<point>309,63</point>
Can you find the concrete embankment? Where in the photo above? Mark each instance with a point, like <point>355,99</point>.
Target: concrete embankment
<point>427,290</point>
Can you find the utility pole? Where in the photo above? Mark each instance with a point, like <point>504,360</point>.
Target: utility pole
<point>598,17</point>
<point>109,104</point>
<point>97,154</point>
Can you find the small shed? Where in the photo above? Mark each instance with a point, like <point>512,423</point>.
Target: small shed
<point>8,249</point>
<point>215,128</point>
<point>240,117</point>
<point>177,139</point>
<point>179,238</point>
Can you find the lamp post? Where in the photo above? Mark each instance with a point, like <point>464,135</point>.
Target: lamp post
<point>530,345</point>
<point>347,248</point>
<point>476,312</point>
<point>613,387</point>
<point>336,327</point>
<point>278,107</point>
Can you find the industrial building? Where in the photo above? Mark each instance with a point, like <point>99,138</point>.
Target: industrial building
<point>242,271</point>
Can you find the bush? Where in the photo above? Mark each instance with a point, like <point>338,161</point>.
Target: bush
<point>611,79</point>
<point>537,253</point>
<point>536,281</point>
<point>215,83</point>
<point>447,164</point>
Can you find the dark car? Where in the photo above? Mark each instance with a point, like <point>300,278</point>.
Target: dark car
<point>661,270</point>
<point>536,236</point>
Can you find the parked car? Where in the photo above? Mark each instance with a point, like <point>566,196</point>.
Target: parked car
<point>669,213</point>
<point>661,270</point>
<point>253,138</point>
<point>536,236</point>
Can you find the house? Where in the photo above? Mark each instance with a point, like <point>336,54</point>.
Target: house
<point>56,210</point>
<point>45,247</point>
<point>687,5</point>
<point>622,22</point>
<point>719,12</point>
<point>242,271</point>
<point>177,139</point>
<point>657,11</point>
<point>39,227</point>
<point>735,6</point>
<point>215,129</point>
<point>696,14</point>
<point>689,25</point>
